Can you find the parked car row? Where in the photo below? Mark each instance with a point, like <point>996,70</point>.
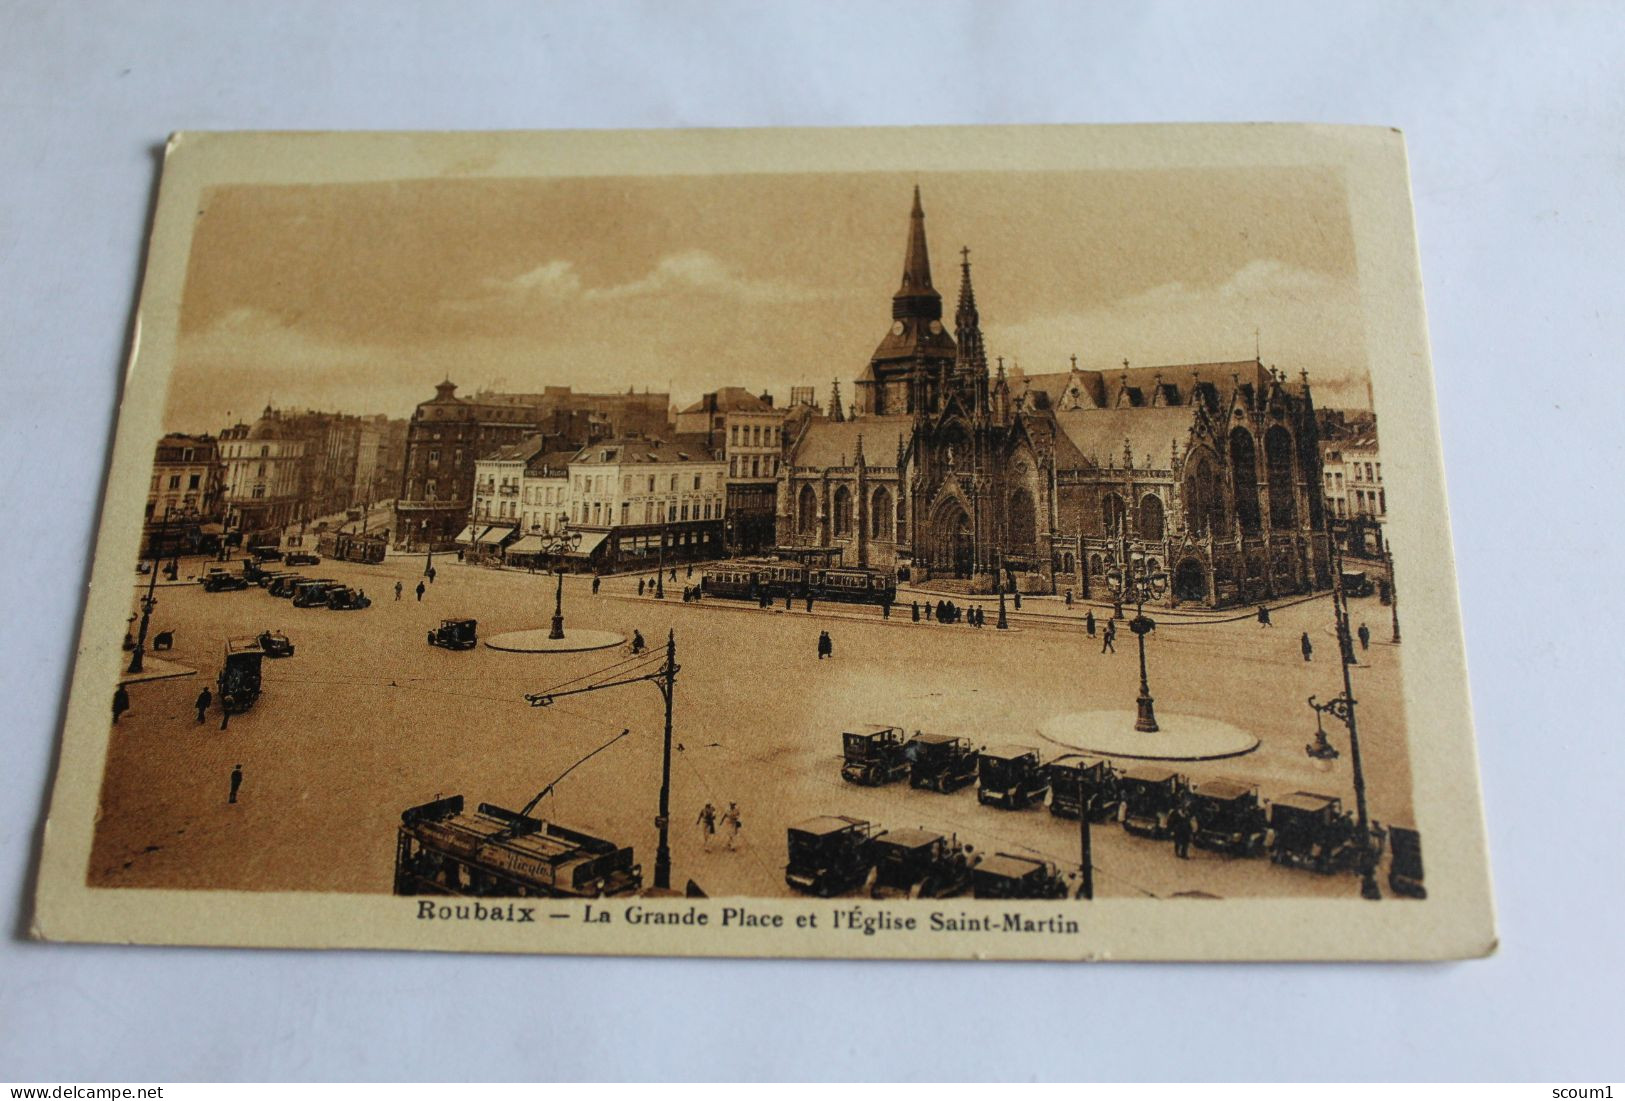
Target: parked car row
<point>1300,829</point>
<point>832,855</point>
<point>304,592</point>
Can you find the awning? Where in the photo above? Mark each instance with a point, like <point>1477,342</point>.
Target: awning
<point>528,544</point>
<point>466,535</point>
<point>590,541</point>
<point>493,537</point>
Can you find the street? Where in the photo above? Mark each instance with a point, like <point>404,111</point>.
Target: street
<point>366,720</point>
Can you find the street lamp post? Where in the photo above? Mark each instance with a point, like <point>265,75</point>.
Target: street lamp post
<point>1393,592</point>
<point>558,547</point>
<point>1004,623</point>
<point>660,562</point>
<point>1139,586</point>
<point>148,602</point>
<point>1343,709</point>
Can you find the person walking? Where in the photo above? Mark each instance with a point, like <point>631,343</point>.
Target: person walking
<point>398,590</point>
<point>730,819</point>
<point>1264,616</point>
<point>430,572</point>
<point>885,609</point>
<point>236,782</point>
<point>1109,637</point>
<point>1180,825</point>
<point>121,703</point>
<point>204,699</point>
<point>914,609</point>
<point>1365,637</point>
<point>826,646</point>
<point>809,602</point>
<point>1308,647</point>
<point>596,581</point>
<point>673,573</point>
<point>1069,598</point>
<point>1089,622</point>
<point>1018,600</point>
<point>421,591</point>
<point>691,569</point>
<point>707,821</point>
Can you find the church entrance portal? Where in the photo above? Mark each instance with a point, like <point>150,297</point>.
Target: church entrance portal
<point>953,549</point>
<point>1190,581</point>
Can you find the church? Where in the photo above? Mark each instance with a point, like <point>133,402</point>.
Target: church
<point>1207,474</point>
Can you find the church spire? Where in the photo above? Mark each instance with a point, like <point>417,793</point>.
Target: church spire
<point>835,410</point>
<point>916,297</point>
<point>968,323</point>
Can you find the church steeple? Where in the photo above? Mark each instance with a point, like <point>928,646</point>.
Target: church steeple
<point>968,323</point>
<point>916,298</point>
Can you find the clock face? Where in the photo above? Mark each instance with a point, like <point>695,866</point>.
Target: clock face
<point>897,328</point>
<point>936,327</point>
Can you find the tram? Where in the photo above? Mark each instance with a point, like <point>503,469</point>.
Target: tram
<point>497,853</point>
<point>350,546</point>
<point>755,579</point>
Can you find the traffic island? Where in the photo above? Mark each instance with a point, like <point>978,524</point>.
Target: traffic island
<point>536,641</point>
<point>156,669</point>
<point>1178,737</point>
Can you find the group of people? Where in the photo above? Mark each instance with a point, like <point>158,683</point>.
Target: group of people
<point>711,820</point>
<point>946,611</point>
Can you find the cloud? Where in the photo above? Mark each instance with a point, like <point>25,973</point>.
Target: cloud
<point>690,272</point>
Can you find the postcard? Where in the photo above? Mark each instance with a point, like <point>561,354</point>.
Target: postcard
<point>969,543</point>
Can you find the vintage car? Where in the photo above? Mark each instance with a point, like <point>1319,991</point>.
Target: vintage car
<point>312,592</point>
<point>873,755</point>
<point>1150,794</point>
<point>239,678</point>
<point>267,578</point>
<point>253,571</point>
<point>940,762</point>
<point>1229,817</point>
<point>266,554</point>
<point>1311,830</point>
<point>301,558</point>
<point>455,634</point>
<point>829,854</point>
<point>1076,781</point>
<point>1405,862</point>
<point>918,864</point>
<point>1356,583</point>
<point>219,581</point>
<point>1005,875</point>
<point>283,584</point>
<point>275,644</point>
<point>342,598</point>
<point>1011,777</point>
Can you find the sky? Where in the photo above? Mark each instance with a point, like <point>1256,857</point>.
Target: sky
<point>360,297</point>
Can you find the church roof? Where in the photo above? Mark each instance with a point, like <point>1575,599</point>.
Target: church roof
<point>729,399</point>
<point>1151,433</point>
<point>827,442</point>
<point>1166,385</point>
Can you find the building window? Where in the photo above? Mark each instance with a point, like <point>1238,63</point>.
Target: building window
<point>192,482</point>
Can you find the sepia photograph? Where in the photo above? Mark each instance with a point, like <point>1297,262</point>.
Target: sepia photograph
<point>826,543</point>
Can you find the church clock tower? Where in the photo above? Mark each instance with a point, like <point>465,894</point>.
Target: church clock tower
<point>908,372</point>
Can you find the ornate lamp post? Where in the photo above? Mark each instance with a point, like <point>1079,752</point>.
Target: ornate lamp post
<point>558,547</point>
<point>1342,709</point>
<point>149,601</point>
<point>660,563</point>
<point>1135,580</point>
<point>1003,623</point>
<point>1393,591</point>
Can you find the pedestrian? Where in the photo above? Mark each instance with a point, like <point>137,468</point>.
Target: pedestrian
<point>707,821</point>
<point>788,596</point>
<point>1108,637</point>
<point>1179,824</point>
<point>1089,622</point>
<point>1069,598</point>
<point>809,601</point>
<point>674,573</point>
<point>640,586</point>
<point>914,609</point>
<point>121,702</point>
<point>1264,616</point>
<point>1365,637</point>
<point>596,581</point>
<point>1018,600</point>
<point>397,590</point>
<point>421,591</point>
<point>885,609</point>
<point>431,575</point>
<point>928,611</point>
<point>236,782</point>
<point>826,646</point>
<point>691,569</point>
<point>1308,648</point>
<point>204,699</point>
<point>730,819</point>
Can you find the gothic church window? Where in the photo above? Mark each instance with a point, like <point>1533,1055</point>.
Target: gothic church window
<point>1244,479</point>
<point>1151,517</point>
<point>882,514</point>
<point>843,511</point>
